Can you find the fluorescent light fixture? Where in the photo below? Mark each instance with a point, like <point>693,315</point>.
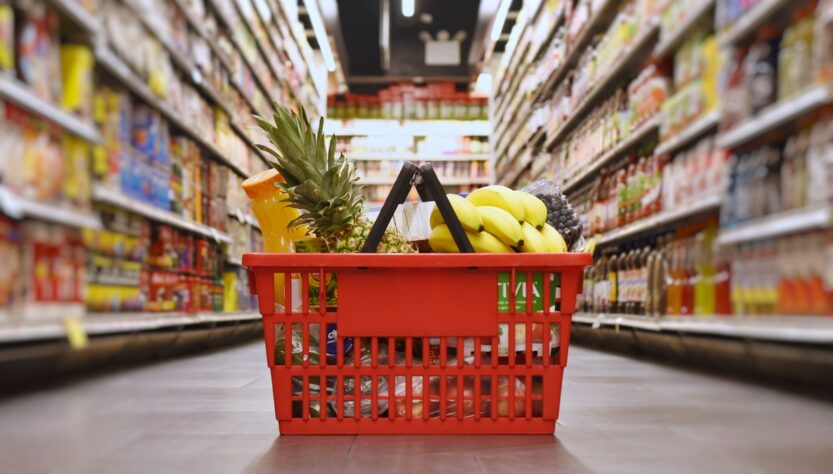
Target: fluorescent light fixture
<point>408,8</point>
<point>384,35</point>
<point>500,19</point>
<point>320,34</point>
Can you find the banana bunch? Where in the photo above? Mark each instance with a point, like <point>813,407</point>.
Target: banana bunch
<point>497,219</point>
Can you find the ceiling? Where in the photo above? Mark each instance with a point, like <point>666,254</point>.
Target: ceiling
<point>357,34</point>
<point>355,28</point>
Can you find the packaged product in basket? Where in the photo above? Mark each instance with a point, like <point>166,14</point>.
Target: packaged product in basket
<point>536,344</point>
<point>452,404</point>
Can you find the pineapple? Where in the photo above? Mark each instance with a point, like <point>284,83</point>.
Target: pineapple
<point>321,185</point>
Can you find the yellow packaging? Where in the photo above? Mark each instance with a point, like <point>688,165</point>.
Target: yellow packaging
<point>6,37</point>
<point>76,72</point>
<point>230,292</point>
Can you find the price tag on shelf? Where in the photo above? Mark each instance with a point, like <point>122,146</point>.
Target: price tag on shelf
<point>240,216</point>
<point>76,334</point>
<point>196,75</point>
<point>215,234</point>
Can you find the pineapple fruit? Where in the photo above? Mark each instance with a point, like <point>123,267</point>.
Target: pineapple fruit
<point>321,185</point>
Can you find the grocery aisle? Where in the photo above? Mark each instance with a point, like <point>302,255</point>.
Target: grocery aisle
<point>213,413</point>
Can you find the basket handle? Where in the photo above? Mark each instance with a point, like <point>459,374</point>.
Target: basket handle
<point>429,187</point>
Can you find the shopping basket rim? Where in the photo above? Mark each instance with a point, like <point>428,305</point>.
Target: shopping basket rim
<point>417,260</point>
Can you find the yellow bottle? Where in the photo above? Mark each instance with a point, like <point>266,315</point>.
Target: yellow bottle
<point>274,216</point>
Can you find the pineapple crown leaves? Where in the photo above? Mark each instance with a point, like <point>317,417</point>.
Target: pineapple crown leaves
<point>317,182</point>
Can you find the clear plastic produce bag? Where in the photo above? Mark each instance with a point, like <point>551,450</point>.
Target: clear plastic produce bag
<point>560,214</point>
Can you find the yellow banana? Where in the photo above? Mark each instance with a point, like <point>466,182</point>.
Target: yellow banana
<point>501,224</point>
<point>466,212</point>
<point>484,242</point>
<point>441,241</point>
<point>534,242</point>
<point>499,196</point>
<point>534,209</point>
<point>554,240</point>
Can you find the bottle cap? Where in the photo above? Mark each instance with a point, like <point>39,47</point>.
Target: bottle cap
<point>262,184</point>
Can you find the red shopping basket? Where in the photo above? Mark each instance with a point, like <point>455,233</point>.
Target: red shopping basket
<point>417,344</point>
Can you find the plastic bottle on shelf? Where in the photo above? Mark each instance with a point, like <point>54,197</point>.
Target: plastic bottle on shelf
<point>612,303</point>
<point>601,286</point>
<point>816,183</point>
<point>827,270</point>
<point>623,282</point>
<point>650,269</point>
<point>704,289</point>
<point>632,191</point>
<point>659,281</point>
<point>689,278</point>
<point>761,69</point>
<point>621,197</point>
<point>643,278</point>
<point>673,280</point>
<point>722,279</point>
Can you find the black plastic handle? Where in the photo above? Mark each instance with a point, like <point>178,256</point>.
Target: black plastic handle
<point>428,186</point>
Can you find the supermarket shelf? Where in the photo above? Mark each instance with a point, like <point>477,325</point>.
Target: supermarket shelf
<point>19,93</point>
<point>362,127</point>
<point>781,328</point>
<point>449,181</point>
<point>694,131</point>
<point>748,24</point>
<point>776,115</point>
<point>114,323</point>
<point>18,207</point>
<point>508,121</point>
<point>197,26</point>
<point>225,22</point>
<point>516,127</point>
<point>244,218</point>
<point>116,198</point>
<point>661,219</point>
<point>602,16</point>
<point>645,131</point>
<point>782,223</point>
<point>297,35</point>
<point>519,74</point>
<point>669,45</point>
<point>79,15</point>
<point>181,60</point>
<point>522,164</point>
<point>110,61</point>
<point>417,157</point>
<point>616,72</point>
<point>528,144</point>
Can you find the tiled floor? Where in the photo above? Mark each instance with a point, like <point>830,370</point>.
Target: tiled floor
<point>213,413</point>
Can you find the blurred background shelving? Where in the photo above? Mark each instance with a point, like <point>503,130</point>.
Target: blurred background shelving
<point>126,129</point>
<point>693,137</point>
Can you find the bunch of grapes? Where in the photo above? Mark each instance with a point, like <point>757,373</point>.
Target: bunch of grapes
<point>562,216</point>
